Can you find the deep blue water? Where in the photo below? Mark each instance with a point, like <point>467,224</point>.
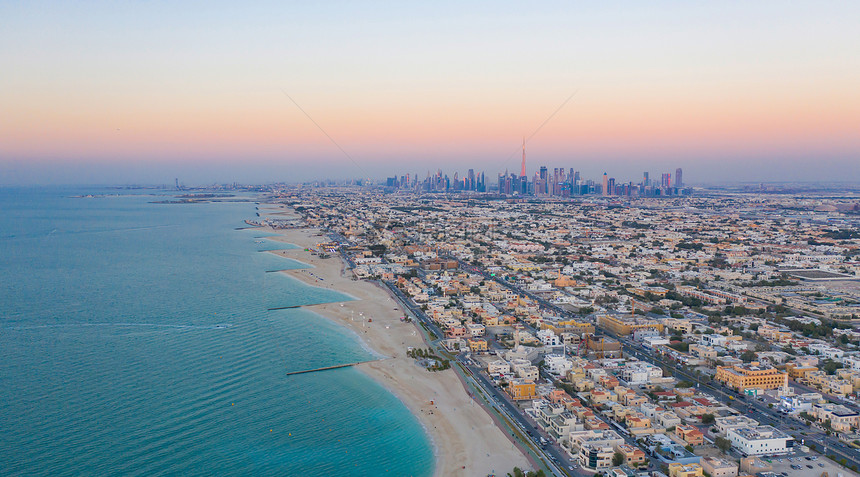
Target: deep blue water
<point>135,340</point>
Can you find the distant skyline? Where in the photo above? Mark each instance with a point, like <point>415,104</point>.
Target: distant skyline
<point>110,92</point>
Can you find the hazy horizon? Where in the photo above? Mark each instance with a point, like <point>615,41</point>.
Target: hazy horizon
<point>141,93</point>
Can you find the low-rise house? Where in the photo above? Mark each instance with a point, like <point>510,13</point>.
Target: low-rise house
<point>716,467</point>
<point>477,345</point>
<point>638,424</point>
<point>676,469</point>
<point>704,352</point>
<point>595,457</point>
<point>548,338</point>
<point>476,329</point>
<point>690,434</point>
<point>666,419</point>
<point>836,416</point>
<point>668,451</point>
<point>639,372</point>
<point>557,364</point>
<point>522,389</point>
<point>633,456</point>
<point>499,367</point>
<point>597,437</point>
<point>829,384</point>
<point>600,396</point>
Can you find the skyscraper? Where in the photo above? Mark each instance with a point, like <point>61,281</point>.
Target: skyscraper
<point>523,170</point>
<point>678,182</point>
<point>544,176</point>
<point>605,184</point>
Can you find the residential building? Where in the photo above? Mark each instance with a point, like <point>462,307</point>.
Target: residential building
<point>639,372</point>
<point>633,456</point>
<point>548,338</point>
<point>838,417</point>
<point>594,457</point>
<point>690,434</point>
<point>716,467</point>
<point>477,345</point>
<point>677,469</point>
<point>557,364</point>
<point>829,384</point>
<point>761,440</point>
<point>499,367</point>
<point>521,389</point>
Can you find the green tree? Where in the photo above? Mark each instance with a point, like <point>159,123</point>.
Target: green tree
<point>617,459</point>
<point>748,355</point>
<point>517,473</point>
<point>723,444</point>
<point>707,418</point>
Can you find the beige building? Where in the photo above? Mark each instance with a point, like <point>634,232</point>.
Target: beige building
<point>595,456</point>
<point>625,325</point>
<point>677,469</point>
<point>751,376</point>
<point>716,467</point>
<point>841,418</point>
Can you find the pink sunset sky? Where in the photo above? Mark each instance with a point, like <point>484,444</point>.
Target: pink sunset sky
<point>145,92</point>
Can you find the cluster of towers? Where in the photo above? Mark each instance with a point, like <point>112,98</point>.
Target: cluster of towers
<point>440,182</point>
<point>544,183</point>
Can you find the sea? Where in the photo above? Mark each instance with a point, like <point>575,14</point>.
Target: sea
<point>137,338</point>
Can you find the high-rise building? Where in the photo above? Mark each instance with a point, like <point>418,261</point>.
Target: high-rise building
<point>666,180</point>
<point>544,177</point>
<point>472,184</point>
<point>605,190</point>
<point>611,186</point>
<point>523,169</point>
<point>678,182</point>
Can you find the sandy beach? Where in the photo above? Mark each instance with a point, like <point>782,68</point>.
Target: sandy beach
<point>466,440</point>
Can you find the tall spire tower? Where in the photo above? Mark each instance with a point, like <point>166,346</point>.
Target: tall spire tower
<point>523,170</point>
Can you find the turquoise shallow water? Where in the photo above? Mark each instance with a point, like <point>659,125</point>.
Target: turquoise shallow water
<point>135,340</point>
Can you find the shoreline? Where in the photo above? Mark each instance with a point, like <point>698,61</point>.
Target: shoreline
<point>465,439</point>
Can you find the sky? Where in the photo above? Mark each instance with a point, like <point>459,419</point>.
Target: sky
<point>144,92</point>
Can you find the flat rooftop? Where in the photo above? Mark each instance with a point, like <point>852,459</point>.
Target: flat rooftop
<point>819,275</point>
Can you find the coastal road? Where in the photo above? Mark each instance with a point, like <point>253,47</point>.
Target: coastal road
<point>550,458</point>
<point>503,403</point>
